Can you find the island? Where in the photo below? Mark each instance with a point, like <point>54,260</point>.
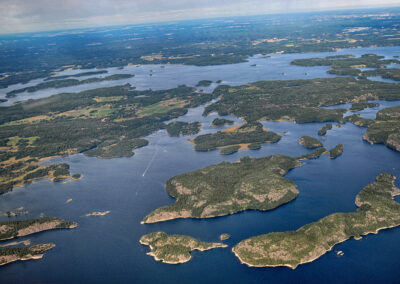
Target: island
<point>15,213</point>
<point>77,75</point>
<point>254,146</point>
<point>224,237</point>
<point>104,213</point>
<point>310,142</point>
<point>314,154</point>
<point>228,188</point>
<point>325,129</point>
<point>62,83</point>
<point>358,106</point>
<point>9,255</point>
<point>350,65</point>
<point>239,135</point>
<point>229,150</point>
<point>336,151</point>
<point>385,129</point>
<point>385,73</point>
<point>204,83</point>
<point>14,229</point>
<point>357,120</point>
<point>218,122</point>
<point>174,249</point>
<point>376,211</point>
<point>179,128</point>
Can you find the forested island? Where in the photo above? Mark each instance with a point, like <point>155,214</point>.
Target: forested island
<point>336,151</point>
<point>9,255</point>
<point>358,106</point>
<point>62,83</point>
<point>228,188</point>
<point>385,129</point>
<point>376,211</point>
<point>325,129</point>
<point>350,65</point>
<point>235,137</point>
<point>174,249</point>
<point>221,122</point>
<point>309,142</point>
<point>204,83</point>
<point>357,120</point>
<point>179,128</point>
<point>16,229</point>
<point>314,154</point>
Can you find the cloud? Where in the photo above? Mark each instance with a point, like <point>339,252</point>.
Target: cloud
<point>32,15</point>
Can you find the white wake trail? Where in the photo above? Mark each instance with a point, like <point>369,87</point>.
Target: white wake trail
<point>152,160</point>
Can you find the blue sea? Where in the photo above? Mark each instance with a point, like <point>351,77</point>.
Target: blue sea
<point>106,249</point>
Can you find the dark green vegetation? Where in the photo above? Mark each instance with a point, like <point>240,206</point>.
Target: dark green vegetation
<point>82,74</point>
<point>310,142</point>
<point>350,65</point>
<point>178,128</point>
<point>298,100</point>
<point>254,146</point>
<point>229,150</point>
<point>386,128</point>
<point>106,122</point>
<point>66,83</point>
<point>325,129</point>
<point>115,148</point>
<point>356,119</point>
<point>14,229</point>
<point>362,105</point>
<point>244,134</point>
<point>174,249</point>
<point>204,83</point>
<point>228,188</point>
<point>8,255</point>
<point>221,122</point>
<point>393,74</point>
<point>336,151</point>
<point>200,42</point>
<point>376,211</point>
<point>23,171</point>
<point>314,154</point>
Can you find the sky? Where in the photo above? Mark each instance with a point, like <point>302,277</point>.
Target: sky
<point>41,15</point>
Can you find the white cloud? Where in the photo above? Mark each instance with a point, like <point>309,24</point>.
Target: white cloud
<point>30,15</point>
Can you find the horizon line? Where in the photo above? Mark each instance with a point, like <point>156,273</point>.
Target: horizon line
<point>193,19</point>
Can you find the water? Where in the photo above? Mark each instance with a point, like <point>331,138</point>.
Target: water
<point>275,67</point>
<point>106,249</point>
